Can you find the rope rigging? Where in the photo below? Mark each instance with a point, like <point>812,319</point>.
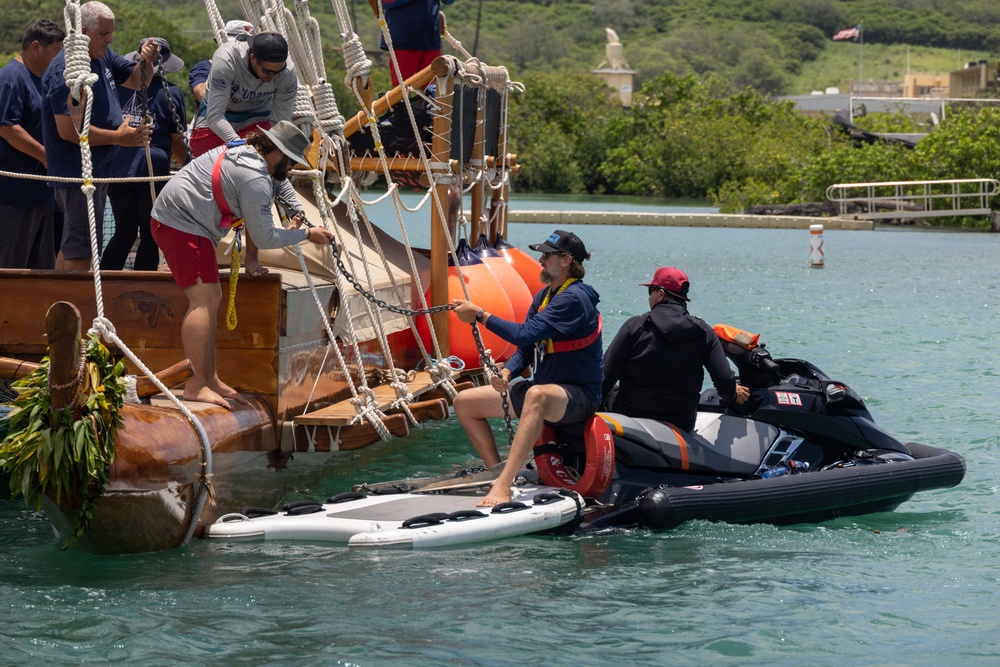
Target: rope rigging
<point>316,108</point>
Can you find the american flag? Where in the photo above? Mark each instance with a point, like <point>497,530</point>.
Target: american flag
<point>850,33</point>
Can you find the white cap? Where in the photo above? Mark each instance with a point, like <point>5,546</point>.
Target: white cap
<point>238,28</point>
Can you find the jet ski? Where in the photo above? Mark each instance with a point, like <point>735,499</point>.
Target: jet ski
<point>803,448</point>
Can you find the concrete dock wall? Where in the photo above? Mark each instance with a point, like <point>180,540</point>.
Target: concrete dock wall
<point>720,220</point>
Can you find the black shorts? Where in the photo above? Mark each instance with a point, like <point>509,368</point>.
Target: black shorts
<point>578,410</point>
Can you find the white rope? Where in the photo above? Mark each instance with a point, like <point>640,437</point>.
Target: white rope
<point>79,181</point>
<point>77,52</point>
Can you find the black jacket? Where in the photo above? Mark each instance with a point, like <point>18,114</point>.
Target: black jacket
<point>657,359</point>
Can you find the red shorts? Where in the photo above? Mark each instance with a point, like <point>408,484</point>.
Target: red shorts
<point>412,61</point>
<point>189,257</point>
<point>203,139</point>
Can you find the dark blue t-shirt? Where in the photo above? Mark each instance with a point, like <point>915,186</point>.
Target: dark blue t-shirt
<point>21,104</point>
<point>63,156</point>
<point>413,24</point>
<point>132,161</point>
<point>199,73</point>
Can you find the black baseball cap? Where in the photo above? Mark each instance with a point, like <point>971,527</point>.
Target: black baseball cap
<point>560,241</point>
<point>269,47</point>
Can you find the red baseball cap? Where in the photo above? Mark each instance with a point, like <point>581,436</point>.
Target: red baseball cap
<point>671,280</point>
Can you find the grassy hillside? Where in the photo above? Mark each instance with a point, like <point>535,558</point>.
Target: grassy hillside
<point>839,62</point>
<point>775,46</point>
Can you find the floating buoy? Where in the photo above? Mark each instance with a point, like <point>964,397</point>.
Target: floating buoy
<point>508,277</point>
<point>526,266</point>
<point>484,291</point>
<point>816,246</point>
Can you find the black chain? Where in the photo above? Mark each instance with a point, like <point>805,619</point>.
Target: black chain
<point>335,249</point>
<point>484,359</point>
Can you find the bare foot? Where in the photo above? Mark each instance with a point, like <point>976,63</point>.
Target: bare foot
<point>226,391</point>
<point>255,268</point>
<point>496,496</point>
<point>206,395</point>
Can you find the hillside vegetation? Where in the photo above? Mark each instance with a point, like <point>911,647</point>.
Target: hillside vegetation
<point>705,123</point>
<point>775,46</point>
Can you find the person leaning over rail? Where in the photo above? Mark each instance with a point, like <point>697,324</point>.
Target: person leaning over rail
<point>656,359</point>
<point>561,340</point>
<point>251,84</point>
<point>132,202</point>
<point>107,130</point>
<point>26,206</point>
<point>222,189</point>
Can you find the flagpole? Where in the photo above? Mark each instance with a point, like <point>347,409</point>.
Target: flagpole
<point>861,58</point>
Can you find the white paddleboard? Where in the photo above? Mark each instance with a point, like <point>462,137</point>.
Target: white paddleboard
<point>409,519</point>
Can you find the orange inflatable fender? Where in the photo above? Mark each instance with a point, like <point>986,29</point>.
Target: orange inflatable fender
<point>729,334</point>
<point>599,448</point>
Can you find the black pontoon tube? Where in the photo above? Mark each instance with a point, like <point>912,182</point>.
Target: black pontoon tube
<point>807,497</point>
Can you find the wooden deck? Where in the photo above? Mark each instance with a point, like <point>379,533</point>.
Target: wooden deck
<point>342,413</point>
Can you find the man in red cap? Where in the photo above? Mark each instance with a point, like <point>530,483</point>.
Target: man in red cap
<point>560,340</point>
<point>658,358</point>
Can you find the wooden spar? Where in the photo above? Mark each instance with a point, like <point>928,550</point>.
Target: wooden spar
<point>62,325</point>
<point>444,70</point>
<point>389,100</point>
<point>412,163</point>
<point>182,371</point>
<point>476,162</point>
<point>15,369</point>
<point>344,412</point>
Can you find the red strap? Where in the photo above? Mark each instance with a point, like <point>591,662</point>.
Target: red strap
<point>579,343</point>
<point>220,200</point>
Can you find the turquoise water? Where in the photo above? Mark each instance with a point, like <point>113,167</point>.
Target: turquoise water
<point>908,318</point>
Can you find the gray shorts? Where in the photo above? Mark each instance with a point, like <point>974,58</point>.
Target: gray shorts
<point>578,410</point>
<point>28,239</point>
<point>76,221</point>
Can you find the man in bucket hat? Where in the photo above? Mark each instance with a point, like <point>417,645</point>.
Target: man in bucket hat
<point>226,188</point>
<point>657,358</point>
<point>560,340</point>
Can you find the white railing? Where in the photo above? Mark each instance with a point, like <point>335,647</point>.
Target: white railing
<point>916,199</point>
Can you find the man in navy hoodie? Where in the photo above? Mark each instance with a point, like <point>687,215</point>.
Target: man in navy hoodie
<point>560,340</point>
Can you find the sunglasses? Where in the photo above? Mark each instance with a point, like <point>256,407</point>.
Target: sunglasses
<point>654,288</point>
<point>270,72</point>
<point>546,255</point>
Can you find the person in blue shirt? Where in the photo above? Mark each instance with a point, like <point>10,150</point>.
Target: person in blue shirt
<point>26,206</point>
<point>560,340</point>
<point>133,202</point>
<point>108,130</point>
<point>415,28</point>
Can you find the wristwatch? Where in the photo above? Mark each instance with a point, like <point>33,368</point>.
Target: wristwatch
<point>480,316</point>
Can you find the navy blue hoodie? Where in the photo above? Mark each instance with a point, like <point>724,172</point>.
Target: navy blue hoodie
<point>570,315</point>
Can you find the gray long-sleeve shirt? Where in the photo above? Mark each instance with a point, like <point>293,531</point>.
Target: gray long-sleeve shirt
<point>187,203</point>
<point>236,97</point>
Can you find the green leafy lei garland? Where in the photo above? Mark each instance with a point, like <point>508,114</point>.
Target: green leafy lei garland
<point>70,450</point>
